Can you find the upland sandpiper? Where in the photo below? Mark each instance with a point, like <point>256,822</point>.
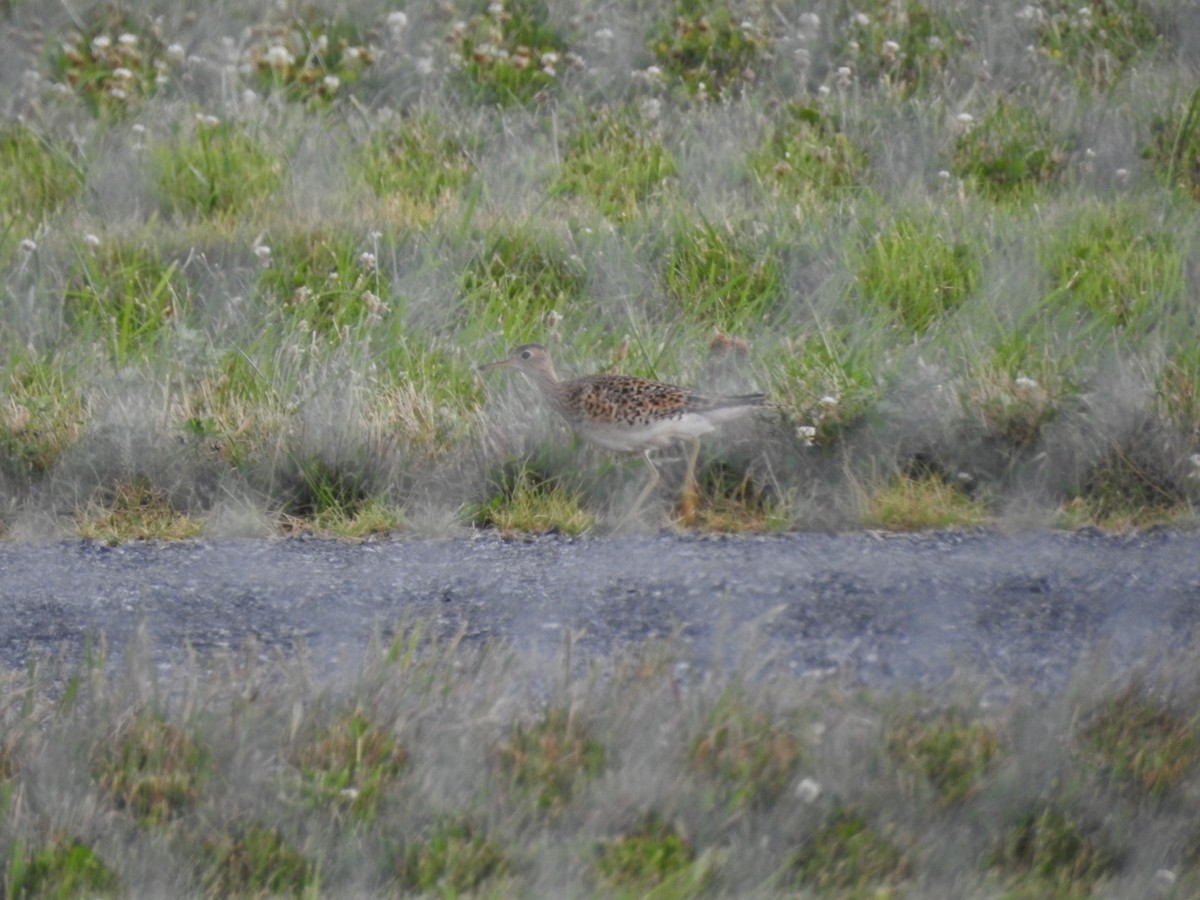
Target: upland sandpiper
<point>631,415</point>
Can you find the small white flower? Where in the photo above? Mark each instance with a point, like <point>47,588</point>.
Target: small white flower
<point>654,72</point>
<point>1122,174</point>
<point>366,259</point>
<point>890,49</point>
<point>828,401</point>
<point>279,57</point>
<point>943,174</point>
<point>807,434</point>
<point>964,118</point>
<point>91,240</point>
<point>355,53</point>
<point>553,318</point>
<point>550,58</point>
<point>397,20</point>
<point>122,74</point>
<point>101,42</point>
<point>810,21</point>
<point>28,245</point>
<point>862,19</point>
<point>322,43</point>
<point>263,252</point>
<point>128,40</point>
<point>138,128</point>
<point>175,53</point>
<point>808,790</point>
<point>350,793</point>
<point>604,34</point>
<point>1085,12</point>
<point>117,93</point>
<point>1025,382</point>
<point>425,66</point>
<point>845,76</point>
<point>496,9</point>
<point>650,109</point>
<point>823,90</point>
<point>207,120</point>
<point>1194,459</point>
<point>331,82</point>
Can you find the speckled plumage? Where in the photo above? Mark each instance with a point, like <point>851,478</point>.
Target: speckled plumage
<point>629,414</point>
<point>623,412</point>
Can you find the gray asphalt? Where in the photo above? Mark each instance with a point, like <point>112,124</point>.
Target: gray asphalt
<point>877,609</point>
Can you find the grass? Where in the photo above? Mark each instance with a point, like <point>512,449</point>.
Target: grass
<point>250,213</point>
<point>439,765</point>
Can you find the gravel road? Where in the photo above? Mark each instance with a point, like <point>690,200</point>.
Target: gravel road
<point>880,609</point>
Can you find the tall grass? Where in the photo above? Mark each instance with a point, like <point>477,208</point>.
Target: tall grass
<point>945,237</point>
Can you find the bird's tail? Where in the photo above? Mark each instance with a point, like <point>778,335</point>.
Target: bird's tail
<point>726,406</point>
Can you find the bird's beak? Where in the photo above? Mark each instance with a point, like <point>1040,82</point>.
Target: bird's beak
<point>498,364</point>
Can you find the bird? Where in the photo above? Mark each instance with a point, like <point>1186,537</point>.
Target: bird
<point>632,415</point>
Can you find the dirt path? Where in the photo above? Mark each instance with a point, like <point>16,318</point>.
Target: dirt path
<point>880,609</point>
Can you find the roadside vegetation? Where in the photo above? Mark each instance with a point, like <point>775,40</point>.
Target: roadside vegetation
<point>436,766</point>
<point>251,258</point>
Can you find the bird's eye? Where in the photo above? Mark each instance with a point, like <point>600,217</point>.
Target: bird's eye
<point>526,354</point>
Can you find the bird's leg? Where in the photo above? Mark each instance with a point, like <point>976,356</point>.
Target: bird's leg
<point>691,491</point>
<point>649,486</point>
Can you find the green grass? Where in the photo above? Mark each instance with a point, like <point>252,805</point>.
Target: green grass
<point>254,213</point>
<point>438,765</point>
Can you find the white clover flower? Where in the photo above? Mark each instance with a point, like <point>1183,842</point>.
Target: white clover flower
<point>175,53</point>
<point>604,34</point>
<point>807,434</point>
<point>101,42</point>
<point>890,49</point>
<point>496,9</point>
<point>397,20</point>
<point>862,19</point>
<point>553,318</point>
<point>263,252</point>
<point>366,259</point>
<point>425,66</point>
<point>650,109</point>
<point>1122,173</point>
<point>117,93</point>
<point>375,306</point>
<point>964,118</point>
<point>279,57</point>
<point>550,57</point>
<point>91,240</point>
<point>355,53</point>
<point>28,245</point>
<point>322,43</point>
<point>828,401</point>
<point>207,120</point>
<point>653,72</point>
<point>808,790</point>
<point>122,74</point>
<point>943,174</point>
<point>549,70</point>
<point>331,82</point>
<point>138,128</point>
<point>823,90</point>
<point>845,76</point>
<point>128,40</point>
<point>810,21</point>
<point>1025,382</point>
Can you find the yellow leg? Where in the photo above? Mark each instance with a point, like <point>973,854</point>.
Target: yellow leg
<point>650,484</point>
<point>691,491</point>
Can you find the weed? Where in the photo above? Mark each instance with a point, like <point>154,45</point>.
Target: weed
<point>1012,408</point>
<point>352,762</point>
<point>151,767</point>
<point>1141,741</point>
<point>649,855</point>
<point>520,277</point>
<point>1094,40</point>
<point>325,282</point>
<point>38,176</point>
<point>218,169</point>
<point>127,296</point>
<point>134,510</point>
<point>708,49</point>
<point>721,278</point>
<point>923,501</point>
<point>511,53</point>
<point>1174,147</point>
<point>418,166</point>
<point>850,857</point>
<point>530,502</point>
<point>750,754</point>
<point>1055,849</point>
<point>1116,262</point>
<point>550,759</point>
<point>732,503</point>
<point>1129,485</point>
<point>912,270</point>
<point>256,862</point>
<point>903,47</point>
<point>452,858</point>
<point>308,59</point>
<point>114,62</point>
<point>61,869</point>
<point>952,751</point>
<point>42,414</point>
<point>808,154</point>
<point>616,163</point>
<point>1011,152</point>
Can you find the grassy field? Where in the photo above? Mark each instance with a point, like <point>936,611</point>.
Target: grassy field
<point>253,252</point>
